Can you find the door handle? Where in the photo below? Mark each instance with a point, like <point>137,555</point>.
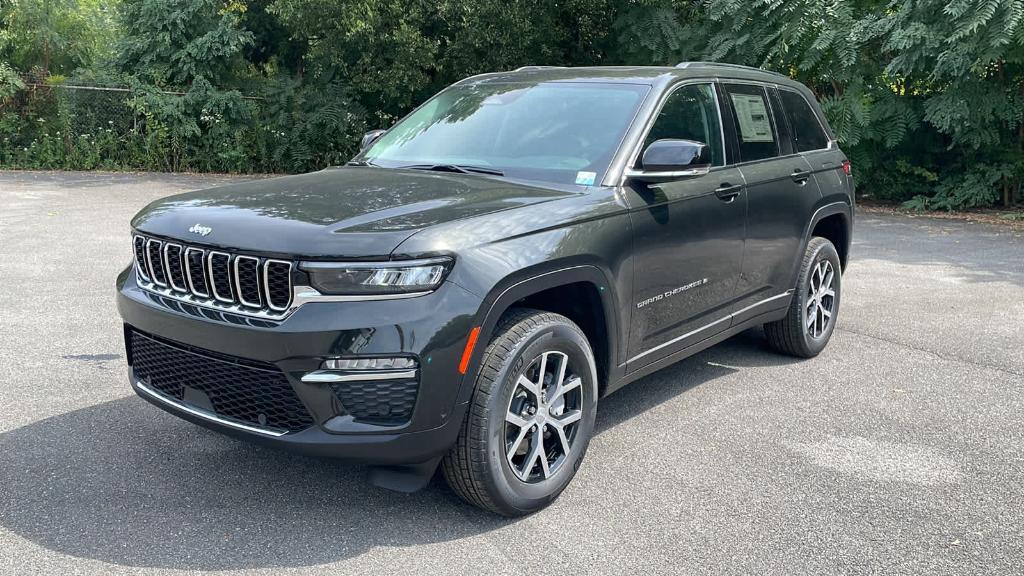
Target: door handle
<point>728,192</point>
<point>800,176</point>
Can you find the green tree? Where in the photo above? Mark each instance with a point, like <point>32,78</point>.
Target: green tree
<point>56,36</point>
<point>171,43</point>
<point>926,95</point>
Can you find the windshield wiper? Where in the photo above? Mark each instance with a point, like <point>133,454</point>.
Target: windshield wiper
<point>457,168</point>
<point>359,163</point>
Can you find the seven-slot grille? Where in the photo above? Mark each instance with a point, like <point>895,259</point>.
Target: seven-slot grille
<point>245,284</point>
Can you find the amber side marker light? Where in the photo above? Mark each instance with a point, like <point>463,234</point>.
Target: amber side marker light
<point>468,352</point>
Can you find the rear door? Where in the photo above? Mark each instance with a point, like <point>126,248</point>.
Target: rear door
<point>781,194</point>
<point>812,141</point>
<point>688,235</point>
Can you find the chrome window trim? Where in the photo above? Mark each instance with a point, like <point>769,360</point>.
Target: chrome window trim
<point>188,272</point>
<point>167,265</point>
<point>210,280</point>
<point>238,283</point>
<point>266,285</point>
<point>824,130</point>
<point>633,172</point>
<point>139,268</point>
<point>149,262</point>
<point>764,86</point>
<point>199,413</point>
<point>832,144</point>
<point>638,145</point>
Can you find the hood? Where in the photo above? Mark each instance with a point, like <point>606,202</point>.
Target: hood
<point>347,212</point>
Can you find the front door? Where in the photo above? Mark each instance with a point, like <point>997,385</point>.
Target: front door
<point>688,236</point>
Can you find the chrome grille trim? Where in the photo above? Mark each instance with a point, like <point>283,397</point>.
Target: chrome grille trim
<point>188,272</point>
<point>266,285</point>
<point>238,282</point>
<point>149,262</point>
<point>168,273</point>
<point>211,281</point>
<point>194,282</point>
<point>139,245</point>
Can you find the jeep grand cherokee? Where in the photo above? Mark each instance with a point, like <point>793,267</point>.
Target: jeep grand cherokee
<point>464,290</point>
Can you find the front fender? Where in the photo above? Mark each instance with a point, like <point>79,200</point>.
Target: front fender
<point>522,285</point>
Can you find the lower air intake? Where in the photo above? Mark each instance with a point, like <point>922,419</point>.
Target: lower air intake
<point>252,393</point>
<point>378,402</point>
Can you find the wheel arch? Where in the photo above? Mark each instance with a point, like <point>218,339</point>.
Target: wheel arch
<point>838,212</point>
<point>583,293</point>
<point>834,227</point>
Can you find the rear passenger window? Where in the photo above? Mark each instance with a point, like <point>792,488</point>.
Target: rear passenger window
<point>807,131</point>
<point>755,128</point>
<point>690,113</point>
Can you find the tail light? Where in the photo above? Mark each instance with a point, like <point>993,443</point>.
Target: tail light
<point>847,168</point>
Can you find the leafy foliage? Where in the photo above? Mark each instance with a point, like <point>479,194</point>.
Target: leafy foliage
<point>926,96</point>
<point>55,36</point>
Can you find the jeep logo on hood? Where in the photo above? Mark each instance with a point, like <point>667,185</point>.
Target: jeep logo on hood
<point>200,229</point>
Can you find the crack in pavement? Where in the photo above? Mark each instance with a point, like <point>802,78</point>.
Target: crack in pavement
<point>939,355</point>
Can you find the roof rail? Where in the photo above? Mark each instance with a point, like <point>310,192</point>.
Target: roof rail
<point>521,68</point>
<point>727,65</point>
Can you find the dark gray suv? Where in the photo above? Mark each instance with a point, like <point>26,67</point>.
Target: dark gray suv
<point>463,292</point>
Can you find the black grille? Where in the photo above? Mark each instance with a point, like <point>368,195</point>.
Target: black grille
<point>156,268</point>
<point>238,283</point>
<point>247,270</point>
<point>175,271</point>
<point>220,276</point>
<point>250,392</point>
<point>139,248</point>
<point>279,284</point>
<point>382,402</point>
<point>197,273</point>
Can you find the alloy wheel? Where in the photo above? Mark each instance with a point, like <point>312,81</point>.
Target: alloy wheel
<point>821,299</point>
<point>543,416</point>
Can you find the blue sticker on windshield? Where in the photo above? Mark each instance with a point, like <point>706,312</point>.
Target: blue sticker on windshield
<point>586,178</point>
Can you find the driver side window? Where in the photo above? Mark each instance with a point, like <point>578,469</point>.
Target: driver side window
<point>690,113</point>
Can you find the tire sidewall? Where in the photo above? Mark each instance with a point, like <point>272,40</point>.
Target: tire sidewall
<point>821,251</point>
<point>507,487</point>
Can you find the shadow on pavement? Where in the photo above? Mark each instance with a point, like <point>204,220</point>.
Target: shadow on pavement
<point>124,483</point>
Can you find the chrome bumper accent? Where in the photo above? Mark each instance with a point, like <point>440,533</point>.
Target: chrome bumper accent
<point>206,415</point>
<point>334,376</point>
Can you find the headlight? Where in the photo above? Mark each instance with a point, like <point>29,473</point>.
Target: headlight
<point>375,278</point>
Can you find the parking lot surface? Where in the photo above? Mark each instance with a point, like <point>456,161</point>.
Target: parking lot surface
<point>899,450</point>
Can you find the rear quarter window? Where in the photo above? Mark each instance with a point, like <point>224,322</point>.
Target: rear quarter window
<point>808,133</point>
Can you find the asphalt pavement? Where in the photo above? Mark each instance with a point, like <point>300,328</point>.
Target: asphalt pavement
<point>899,450</point>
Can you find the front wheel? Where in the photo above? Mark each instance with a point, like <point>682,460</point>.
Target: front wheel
<point>808,326</point>
<point>531,416</point>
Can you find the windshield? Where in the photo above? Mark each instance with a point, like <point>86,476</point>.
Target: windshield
<point>558,132</point>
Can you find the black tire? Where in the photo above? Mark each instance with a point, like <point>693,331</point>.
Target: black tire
<point>791,335</point>
<point>478,468</point>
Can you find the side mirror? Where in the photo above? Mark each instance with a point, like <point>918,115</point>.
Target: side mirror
<point>370,137</point>
<point>668,159</point>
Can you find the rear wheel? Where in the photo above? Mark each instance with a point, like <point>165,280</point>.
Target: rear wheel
<point>531,416</point>
<point>808,326</point>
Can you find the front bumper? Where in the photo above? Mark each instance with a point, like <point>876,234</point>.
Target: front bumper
<point>432,328</point>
